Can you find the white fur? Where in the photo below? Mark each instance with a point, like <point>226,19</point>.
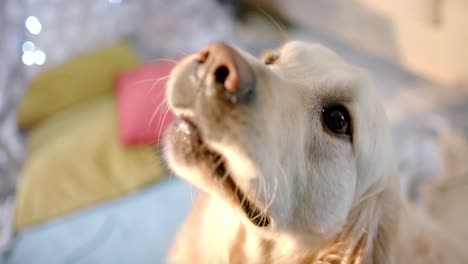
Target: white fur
<point>328,198</point>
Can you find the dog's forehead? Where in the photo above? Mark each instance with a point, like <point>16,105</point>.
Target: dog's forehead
<point>310,54</point>
<point>322,72</point>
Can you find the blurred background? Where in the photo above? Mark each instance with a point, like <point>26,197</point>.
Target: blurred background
<point>82,83</point>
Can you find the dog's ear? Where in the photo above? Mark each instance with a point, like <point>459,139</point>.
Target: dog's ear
<point>372,227</point>
<point>383,246</point>
<point>370,236</point>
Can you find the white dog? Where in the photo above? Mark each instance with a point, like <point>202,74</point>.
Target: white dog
<point>293,157</point>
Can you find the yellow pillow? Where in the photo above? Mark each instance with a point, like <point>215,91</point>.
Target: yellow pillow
<point>77,80</point>
<point>75,160</point>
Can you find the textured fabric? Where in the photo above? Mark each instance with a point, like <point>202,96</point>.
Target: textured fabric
<point>11,89</point>
<point>75,160</point>
<point>142,111</point>
<point>78,80</point>
<point>135,229</point>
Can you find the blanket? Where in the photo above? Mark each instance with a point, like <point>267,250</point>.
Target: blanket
<point>11,90</point>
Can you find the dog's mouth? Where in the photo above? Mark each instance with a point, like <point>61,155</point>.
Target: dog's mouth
<point>221,175</point>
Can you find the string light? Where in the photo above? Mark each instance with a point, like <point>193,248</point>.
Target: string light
<point>31,55</point>
<point>28,46</point>
<point>33,24</point>
<point>39,57</point>
<point>28,58</point>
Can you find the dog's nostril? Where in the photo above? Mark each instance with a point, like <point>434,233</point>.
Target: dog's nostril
<point>203,56</point>
<point>223,65</point>
<point>221,74</point>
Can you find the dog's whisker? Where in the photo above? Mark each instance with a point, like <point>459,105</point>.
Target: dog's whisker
<point>225,176</point>
<point>147,80</point>
<point>163,111</point>
<point>275,23</point>
<point>156,82</point>
<point>164,59</point>
<point>162,122</point>
<point>155,112</point>
<point>272,197</point>
<point>257,216</point>
<point>163,101</point>
<point>264,187</point>
<point>182,53</point>
<point>163,105</point>
<point>217,165</point>
<point>219,161</point>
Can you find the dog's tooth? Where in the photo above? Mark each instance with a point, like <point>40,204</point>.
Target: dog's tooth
<point>185,128</point>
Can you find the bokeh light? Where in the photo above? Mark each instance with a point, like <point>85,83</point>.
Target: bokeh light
<point>28,58</point>
<point>33,24</point>
<point>39,57</point>
<point>28,46</point>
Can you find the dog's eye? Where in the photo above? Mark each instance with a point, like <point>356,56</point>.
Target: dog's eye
<point>337,120</point>
<point>270,57</point>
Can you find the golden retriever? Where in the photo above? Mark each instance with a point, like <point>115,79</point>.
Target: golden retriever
<point>293,157</point>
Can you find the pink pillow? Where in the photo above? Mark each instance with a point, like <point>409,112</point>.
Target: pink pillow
<point>142,111</point>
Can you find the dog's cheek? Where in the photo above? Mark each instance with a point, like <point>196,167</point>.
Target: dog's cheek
<point>341,189</point>
<point>329,189</point>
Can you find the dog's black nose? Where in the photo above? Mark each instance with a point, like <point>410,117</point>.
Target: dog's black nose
<point>229,69</point>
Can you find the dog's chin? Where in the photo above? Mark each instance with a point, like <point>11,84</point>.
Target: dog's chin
<point>191,159</point>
